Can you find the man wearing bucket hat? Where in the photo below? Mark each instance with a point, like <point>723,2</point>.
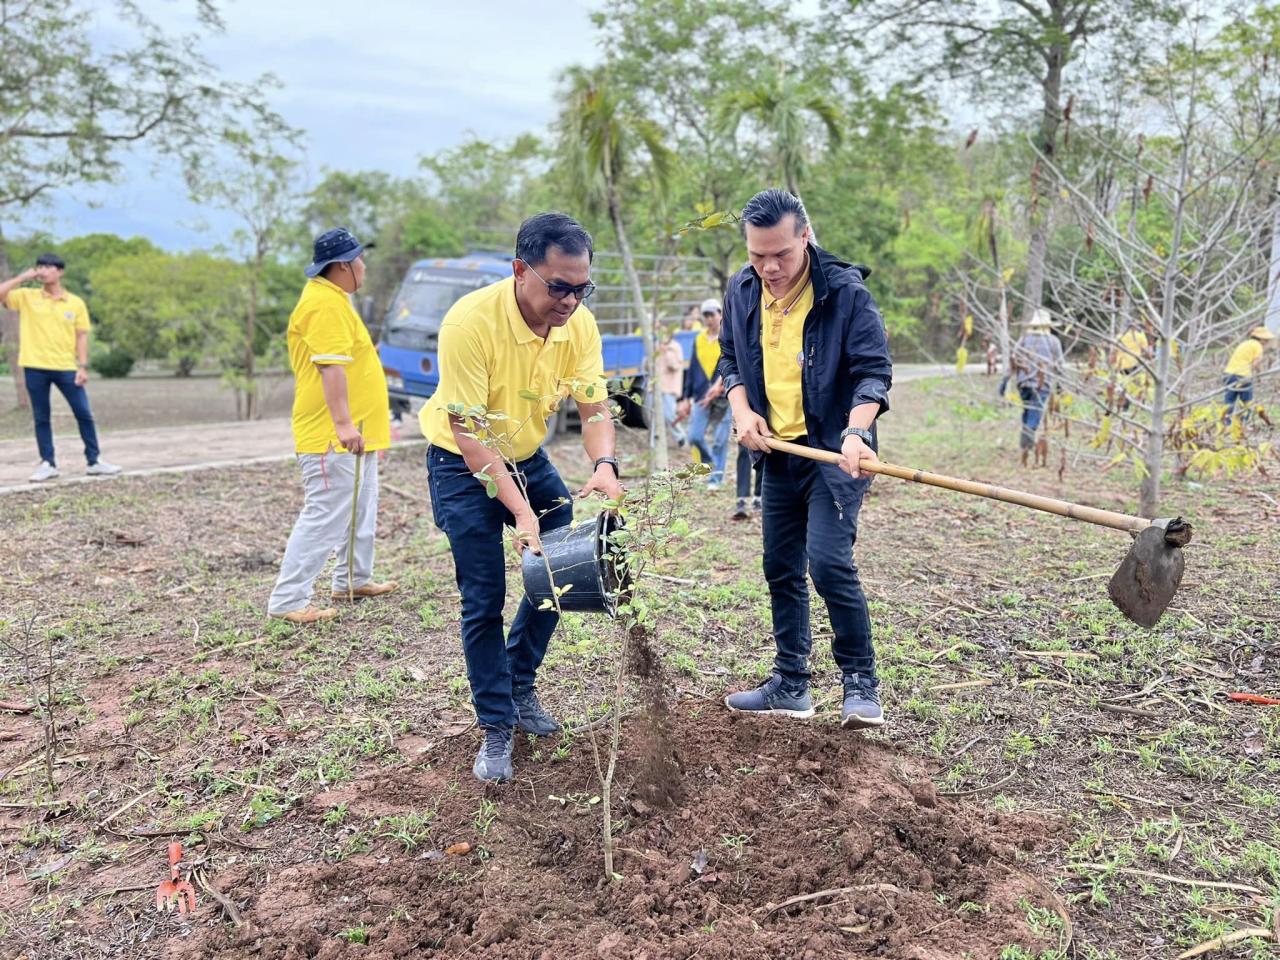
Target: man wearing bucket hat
<point>516,348</point>
<point>53,351</point>
<point>1037,363</point>
<point>805,359</point>
<point>341,418</point>
<point>1237,378</point>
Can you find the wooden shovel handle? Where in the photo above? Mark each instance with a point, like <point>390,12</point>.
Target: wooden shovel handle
<point>1104,518</point>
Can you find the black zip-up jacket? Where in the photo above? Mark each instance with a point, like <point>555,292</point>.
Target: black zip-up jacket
<point>846,354</point>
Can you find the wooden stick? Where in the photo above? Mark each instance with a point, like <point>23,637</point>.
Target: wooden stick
<point>1182,881</point>
<point>833,892</point>
<point>1075,511</point>
<point>1217,943</point>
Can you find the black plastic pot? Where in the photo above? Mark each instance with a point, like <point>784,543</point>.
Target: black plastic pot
<point>582,559</point>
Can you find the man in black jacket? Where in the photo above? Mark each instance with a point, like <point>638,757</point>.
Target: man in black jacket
<point>804,358</point>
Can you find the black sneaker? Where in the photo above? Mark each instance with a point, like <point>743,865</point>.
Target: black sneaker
<point>493,762</point>
<point>861,709</point>
<point>740,512</point>
<point>774,696</point>
<point>531,717</point>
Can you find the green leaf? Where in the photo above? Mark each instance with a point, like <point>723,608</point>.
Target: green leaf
<point>546,604</point>
<point>527,394</point>
<point>491,488</point>
<point>595,418</point>
<point>591,391</point>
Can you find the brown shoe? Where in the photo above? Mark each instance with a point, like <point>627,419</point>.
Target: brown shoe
<point>306,615</point>
<point>369,589</point>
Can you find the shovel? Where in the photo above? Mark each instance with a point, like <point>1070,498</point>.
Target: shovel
<point>1147,578</point>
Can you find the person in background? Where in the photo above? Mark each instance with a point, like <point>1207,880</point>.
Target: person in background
<point>53,351</point>
<point>747,500</point>
<point>1131,349</point>
<point>1037,362</point>
<point>341,417</point>
<point>692,319</point>
<point>1241,368</point>
<point>993,358</point>
<point>704,398</point>
<point>671,368</point>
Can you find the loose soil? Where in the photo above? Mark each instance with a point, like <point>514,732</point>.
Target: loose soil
<point>816,809</point>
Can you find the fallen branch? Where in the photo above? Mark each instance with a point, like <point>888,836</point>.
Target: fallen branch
<point>826,894</point>
<point>233,913</point>
<point>962,685</point>
<point>9,707</point>
<point>1065,654</point>
<point>111,816</point>
<point>977,790</point>
<point>1168,878</point>
<point>1217,943</point>
<point>1060,908</point>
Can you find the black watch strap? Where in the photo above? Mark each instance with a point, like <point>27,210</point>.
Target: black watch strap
<point>611,461</point>
<point>863,435</point>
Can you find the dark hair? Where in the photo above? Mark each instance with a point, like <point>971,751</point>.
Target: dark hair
<point>545,230</point>
<point>768,207</point>
<point>50,260</point>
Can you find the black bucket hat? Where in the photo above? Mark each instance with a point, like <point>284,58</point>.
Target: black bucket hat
<point>335,246</point>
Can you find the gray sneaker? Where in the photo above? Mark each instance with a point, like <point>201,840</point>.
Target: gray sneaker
<point>531,717</point>
<point>775,695</point>
<point>740,512</point>
<point>46,471</point>
<point>102,469</point>
<point>493,762</point>
<point>861,709</point>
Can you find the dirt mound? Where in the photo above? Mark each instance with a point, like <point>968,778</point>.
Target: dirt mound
<point>771,810</point>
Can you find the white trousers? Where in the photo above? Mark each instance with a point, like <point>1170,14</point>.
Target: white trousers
<point>324,527</point>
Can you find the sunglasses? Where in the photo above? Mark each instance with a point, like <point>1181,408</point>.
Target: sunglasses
<point>560,291</point>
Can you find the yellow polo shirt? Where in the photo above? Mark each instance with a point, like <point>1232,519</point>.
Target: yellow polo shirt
<point>1135,342</point>
<point>706,351</point>
<point>325,329</point>
<point>782,339</point>
<point>489,357</point>
<point>1243,358</point>
<point>47,327</point>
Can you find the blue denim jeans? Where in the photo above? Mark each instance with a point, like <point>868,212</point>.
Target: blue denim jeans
<point>1034,400</point>
<point>1237,390</point>
<point>744,474</point>
<point>497,666</point>
<point>715,455</point>
<point>804,527</point>
<point>38,383</point>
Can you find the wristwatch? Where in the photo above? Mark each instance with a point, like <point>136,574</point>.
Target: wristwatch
<point>611,461</point>
<point>863,435</point>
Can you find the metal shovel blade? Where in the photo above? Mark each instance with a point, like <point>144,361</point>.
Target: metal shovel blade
<point>1150,573</point>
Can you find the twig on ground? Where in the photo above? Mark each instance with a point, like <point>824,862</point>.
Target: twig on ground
<point>961,685</point>
<point>1217,943</point>
<point>1129,711</point>
<point>1168,878</point>
<point>976,790</point>
<point>1060,908</point>
<point>111,816</point>
<point>233,914</point>
<point>824,894</point>
<point>401,492</point>
<point>10,707</point>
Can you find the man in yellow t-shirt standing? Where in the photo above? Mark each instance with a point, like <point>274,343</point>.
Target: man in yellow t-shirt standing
<point>341,419</point>
<point>518,347</point>
<point>1245,360</point>
<point>53,351</point>
<point>1131,351</point>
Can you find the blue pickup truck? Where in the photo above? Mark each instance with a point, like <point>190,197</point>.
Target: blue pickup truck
<point>408,343</point>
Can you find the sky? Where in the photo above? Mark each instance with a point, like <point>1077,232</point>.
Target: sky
<point>375,85</point>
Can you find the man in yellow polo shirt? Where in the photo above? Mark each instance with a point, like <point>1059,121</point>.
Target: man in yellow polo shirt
<point>1132,349</point>
<point>1241,367</point>
<point>341,418</point>
<point>515,348</point>
<point>53,351</point>
<point>804,358</point>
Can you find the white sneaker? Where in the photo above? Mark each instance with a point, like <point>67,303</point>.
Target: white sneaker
<point>47,471</point>
<point>712,486</point>
<point>102,469</point>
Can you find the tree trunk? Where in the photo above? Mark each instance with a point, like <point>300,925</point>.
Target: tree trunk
<point>1149,498</point>
<point>251,323</point>
<point>652,397</point>
<point>1042,199</point>
<point>9,334</point>
<point>1273,285</point>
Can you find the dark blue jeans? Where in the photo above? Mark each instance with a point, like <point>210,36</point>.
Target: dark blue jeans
<point>804,527</point>
<point>744,474</point>
<point>38,384</point>
<point>1034,400</point>
<point>497,666</point>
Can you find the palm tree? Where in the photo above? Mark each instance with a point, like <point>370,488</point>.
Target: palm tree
<point>784,106</point>
<point>601,136</point>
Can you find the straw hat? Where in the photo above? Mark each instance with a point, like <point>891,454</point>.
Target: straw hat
<point>1261,333</point>
<point>1040,320</point>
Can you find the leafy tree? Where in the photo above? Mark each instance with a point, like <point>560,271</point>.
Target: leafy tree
<point>603,140</point>
<point>253,175</point>
<point>70,108</point>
